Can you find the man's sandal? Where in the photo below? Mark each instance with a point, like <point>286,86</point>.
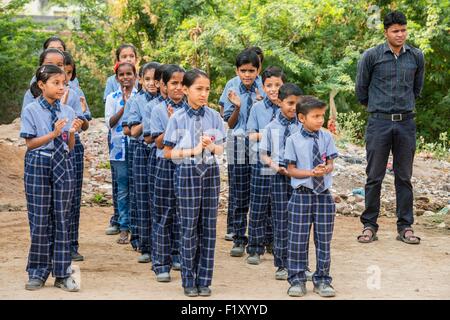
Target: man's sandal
<point>411,239</point>
<point>123,238</point>
<point>365,238</point>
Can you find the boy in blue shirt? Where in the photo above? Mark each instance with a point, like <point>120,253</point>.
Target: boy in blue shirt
<point>309,154</point>
<point>236,113</point>
<point>234,83</point>
<point>261,114</point>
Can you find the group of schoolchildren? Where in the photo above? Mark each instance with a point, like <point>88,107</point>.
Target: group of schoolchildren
<point>164,147</point>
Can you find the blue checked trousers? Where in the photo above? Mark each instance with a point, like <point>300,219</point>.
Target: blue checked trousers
<point>240,182</point>
<point>166,226</point>
<point>306,208</point>
<point>48,207</point>
<point>141,188</point>
<point>281,192</point>
<point>74,222</point>
<point>198,199</point>
<point>260,208</point>
<point>134,238</point>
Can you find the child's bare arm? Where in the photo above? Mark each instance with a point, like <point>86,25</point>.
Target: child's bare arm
<point>149,139</point>
<point>159,141</point>
<point>255,136</point>
<point>171,153</point>
<point>136,130</point>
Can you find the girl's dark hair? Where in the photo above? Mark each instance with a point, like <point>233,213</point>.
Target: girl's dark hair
<point>289,89</point>
<point>126,64</point>
<point>248,56</point>
<point>169,71</point>
<point>144,68</point>
<point>190,76</point>
<point>394,17</point>
<point>54,38</point>
<point>43,73</point>
<point>124,46</point>
<point>48,51</point>
<point>273,72</point>
<point>68,61</point>
<point>159,71</point>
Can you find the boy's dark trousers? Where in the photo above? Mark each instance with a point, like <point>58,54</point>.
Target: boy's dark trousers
<point>383,136</point>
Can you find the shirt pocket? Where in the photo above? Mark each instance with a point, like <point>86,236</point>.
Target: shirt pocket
<point>409,71</point>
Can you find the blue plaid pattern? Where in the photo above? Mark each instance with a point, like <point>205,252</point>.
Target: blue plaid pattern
<point>165,206</point>
<point>259,210</point>
<point>142,198</point>
<point>241,188</point>
<point>198,199</point>
<point>307,208</point>
<point>318,182</point>
<point>151,171</point>
<point>230,167</point>
<point>281,191</point>
<point>78,162</point>
<point>134,237</point>
<point>48,204</point>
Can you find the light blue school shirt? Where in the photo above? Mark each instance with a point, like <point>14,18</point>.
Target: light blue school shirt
<point>36,121</point>
<point>272,141</point>
<point>299,151</point>
<point>180,132</point>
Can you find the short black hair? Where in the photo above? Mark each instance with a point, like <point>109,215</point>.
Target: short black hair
<point>394,17</point>
<point>273,72</point>
<point>54,38</point>
<point>308,103</point>
<point>247,56</point>
<point>258,51</point>
<point>69,61</point>
<point>289,89</point>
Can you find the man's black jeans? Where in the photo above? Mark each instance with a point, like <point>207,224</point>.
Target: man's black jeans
<point>382,136</point>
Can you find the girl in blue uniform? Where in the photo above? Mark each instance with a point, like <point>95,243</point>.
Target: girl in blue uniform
<point>166,227</point>
<point>49,127</point>
<point>78,162</point>
<point>138,111</point>
<point>194,136</point>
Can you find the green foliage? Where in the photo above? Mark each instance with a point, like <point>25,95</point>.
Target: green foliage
<point>104,165</point>
<point>316,42</point>
<point>439,149</point>
<point>351,127</point>
<point>99,198</point>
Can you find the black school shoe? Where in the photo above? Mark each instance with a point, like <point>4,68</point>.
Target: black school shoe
<point>76,256</point>
<point>34,284</point>
<point>204,291</point>
<point>191,292</point>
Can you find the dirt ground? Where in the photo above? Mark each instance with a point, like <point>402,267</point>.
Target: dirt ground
<point>386,269</point>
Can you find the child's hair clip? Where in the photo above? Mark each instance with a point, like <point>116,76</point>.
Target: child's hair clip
<point>43,69</point>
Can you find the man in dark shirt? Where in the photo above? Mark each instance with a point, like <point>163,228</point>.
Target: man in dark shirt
<point>389,79</point>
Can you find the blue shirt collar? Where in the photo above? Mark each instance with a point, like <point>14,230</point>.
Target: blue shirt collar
<point>285,121</point>
<point>308,134</point>
<point>269,104</point>
<point>243,89</point>
<point>46,105</point>
<point>174,105</point>
<point>192,112</point>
